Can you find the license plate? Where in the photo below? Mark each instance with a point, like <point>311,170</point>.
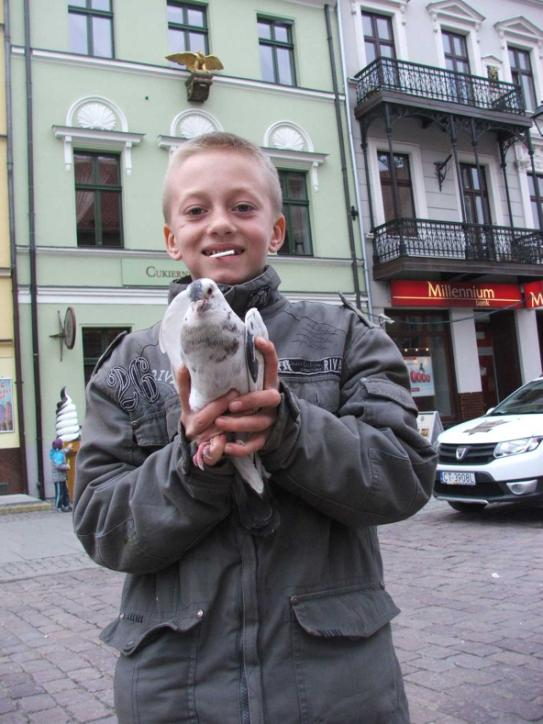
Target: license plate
<point>451,478</point>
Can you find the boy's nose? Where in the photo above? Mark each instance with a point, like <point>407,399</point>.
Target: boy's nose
<point>220,223</point>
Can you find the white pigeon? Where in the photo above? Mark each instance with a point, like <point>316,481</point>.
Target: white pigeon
<point>202,332</point>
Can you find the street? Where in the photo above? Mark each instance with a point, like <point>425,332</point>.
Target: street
<point>469,638</point>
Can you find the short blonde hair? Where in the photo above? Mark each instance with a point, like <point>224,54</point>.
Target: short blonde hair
<point>227,142</point>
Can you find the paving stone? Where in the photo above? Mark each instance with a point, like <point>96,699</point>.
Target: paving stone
<point>37,703</point>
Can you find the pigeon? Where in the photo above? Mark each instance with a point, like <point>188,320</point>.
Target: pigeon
<point>202,332</point>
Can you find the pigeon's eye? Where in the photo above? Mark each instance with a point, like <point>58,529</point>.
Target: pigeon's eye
<point>209,291</point>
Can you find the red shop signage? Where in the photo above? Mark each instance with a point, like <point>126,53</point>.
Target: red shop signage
<point>454,294</point>
<point>533,294</point>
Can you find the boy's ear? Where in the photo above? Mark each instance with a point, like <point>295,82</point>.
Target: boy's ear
<point>171,246</point>
<point>278,236</point>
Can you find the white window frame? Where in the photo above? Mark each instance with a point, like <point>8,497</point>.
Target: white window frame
<point>417,176</point>
<point>524,167</point>
<point>457,17</point>
<point>522,34</point>
<point>492,169</point>
<point>395,10</point>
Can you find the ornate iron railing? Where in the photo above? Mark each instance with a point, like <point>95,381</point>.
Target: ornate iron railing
<point>425,81</point>
<point>454,240</point>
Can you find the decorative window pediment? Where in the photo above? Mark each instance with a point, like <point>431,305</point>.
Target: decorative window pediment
<point>455,11</point>
<point>97,123</point>
<point>286,142</point>
<point>187,125</point>
<point>521,30</point>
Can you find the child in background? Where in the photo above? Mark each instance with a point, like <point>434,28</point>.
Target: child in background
<point>59,470</point>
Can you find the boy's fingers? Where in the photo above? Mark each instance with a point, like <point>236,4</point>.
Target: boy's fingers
<point>248,423</point>
<point>271,363</point>
<point>183,384</point>
<point>254,401</point>
<point>250,447</point>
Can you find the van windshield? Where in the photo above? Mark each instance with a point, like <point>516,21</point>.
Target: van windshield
<point>527,400</point>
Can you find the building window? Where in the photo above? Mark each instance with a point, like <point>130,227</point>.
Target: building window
<point>98,199</point>
<point>521,73</point>
<point>533,197</point>
<point>276,51</point>
<point>91,27</point>
<point>475,194</point>
<point>403,183</point>
<point>456,52</point>
<point>95,342</point>
<point>455,49</point>
<point>296,211</point>
<point>378,36</point>
<point>187,27</point>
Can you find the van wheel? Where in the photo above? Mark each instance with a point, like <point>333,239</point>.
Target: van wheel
<point>467,507</point>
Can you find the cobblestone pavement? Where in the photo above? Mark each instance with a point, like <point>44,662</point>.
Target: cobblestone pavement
<point>470,636</point>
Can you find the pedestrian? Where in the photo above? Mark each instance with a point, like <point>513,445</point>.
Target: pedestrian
<point>59,473</point>
<point>239,607</point>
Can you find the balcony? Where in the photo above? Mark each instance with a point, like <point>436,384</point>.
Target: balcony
<point>423,87</point>
<point>422,247</point>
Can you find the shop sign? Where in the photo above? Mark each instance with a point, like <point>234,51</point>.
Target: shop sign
<point>533,294</point>
<point>151,272</point>
<point>421,376</point>
<point>453,294</point>
<point>6,405</point>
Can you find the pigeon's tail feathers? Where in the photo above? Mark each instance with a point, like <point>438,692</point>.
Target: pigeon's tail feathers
<point>249,471</point>
<point>170,331</point>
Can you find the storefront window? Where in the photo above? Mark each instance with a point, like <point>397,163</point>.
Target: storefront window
<point>425,342</point>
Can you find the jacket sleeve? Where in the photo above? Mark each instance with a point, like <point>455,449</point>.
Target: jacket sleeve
<point>366,465</point>
<point>138,510</point>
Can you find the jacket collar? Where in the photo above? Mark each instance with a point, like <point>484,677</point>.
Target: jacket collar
<point>260,292</point>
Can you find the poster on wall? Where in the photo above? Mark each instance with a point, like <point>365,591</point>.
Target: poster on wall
<point>421,375</point>
<point>6,405</point>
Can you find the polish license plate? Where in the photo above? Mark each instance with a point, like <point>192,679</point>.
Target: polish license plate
<point>453,478</point>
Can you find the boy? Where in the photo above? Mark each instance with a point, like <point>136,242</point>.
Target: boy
<point>238,608</point>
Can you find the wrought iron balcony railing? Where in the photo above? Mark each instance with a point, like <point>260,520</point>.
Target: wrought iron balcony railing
<point>454,240</point>
<point>423,81</point>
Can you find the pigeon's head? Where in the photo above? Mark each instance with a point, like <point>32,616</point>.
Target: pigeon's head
<point>202,293</point>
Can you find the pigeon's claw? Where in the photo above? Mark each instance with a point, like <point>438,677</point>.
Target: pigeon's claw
<point>198,457</point>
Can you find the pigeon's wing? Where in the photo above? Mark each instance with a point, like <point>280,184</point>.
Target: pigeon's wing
<point>189,59</point>
<point>254,327</point>
<point>213,63</point>
<point>170,331</point>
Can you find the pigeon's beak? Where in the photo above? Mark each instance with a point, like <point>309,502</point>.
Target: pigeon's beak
<point>201,305</point>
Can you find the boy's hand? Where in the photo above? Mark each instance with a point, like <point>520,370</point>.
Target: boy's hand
<point>254,413</point>
<point>199,426</point>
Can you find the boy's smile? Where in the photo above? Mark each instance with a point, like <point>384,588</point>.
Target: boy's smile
<point>221,220</point>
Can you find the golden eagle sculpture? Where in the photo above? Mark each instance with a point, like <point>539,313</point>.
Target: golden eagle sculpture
<point>196,62</point>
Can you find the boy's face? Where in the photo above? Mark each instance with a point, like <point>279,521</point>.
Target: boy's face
<point>220,200</point>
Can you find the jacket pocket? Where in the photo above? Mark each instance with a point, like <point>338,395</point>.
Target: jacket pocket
<point>154,676</point>
<point>346,669</point>
<point>151,430</point>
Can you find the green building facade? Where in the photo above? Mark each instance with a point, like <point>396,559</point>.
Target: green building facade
<point>96,111</point>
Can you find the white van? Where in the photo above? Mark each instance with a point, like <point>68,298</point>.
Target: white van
<point>496,458</point>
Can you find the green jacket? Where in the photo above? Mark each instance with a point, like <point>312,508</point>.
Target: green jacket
<point>241,609</point>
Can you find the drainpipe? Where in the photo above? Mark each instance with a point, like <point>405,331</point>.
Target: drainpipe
<point>13,249</point>
<point>354,260</point>
<point>32,251</point>
<point>353,161</point>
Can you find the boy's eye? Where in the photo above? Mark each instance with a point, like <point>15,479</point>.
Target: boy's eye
<point>195,211</point>
<point>244,208</point>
